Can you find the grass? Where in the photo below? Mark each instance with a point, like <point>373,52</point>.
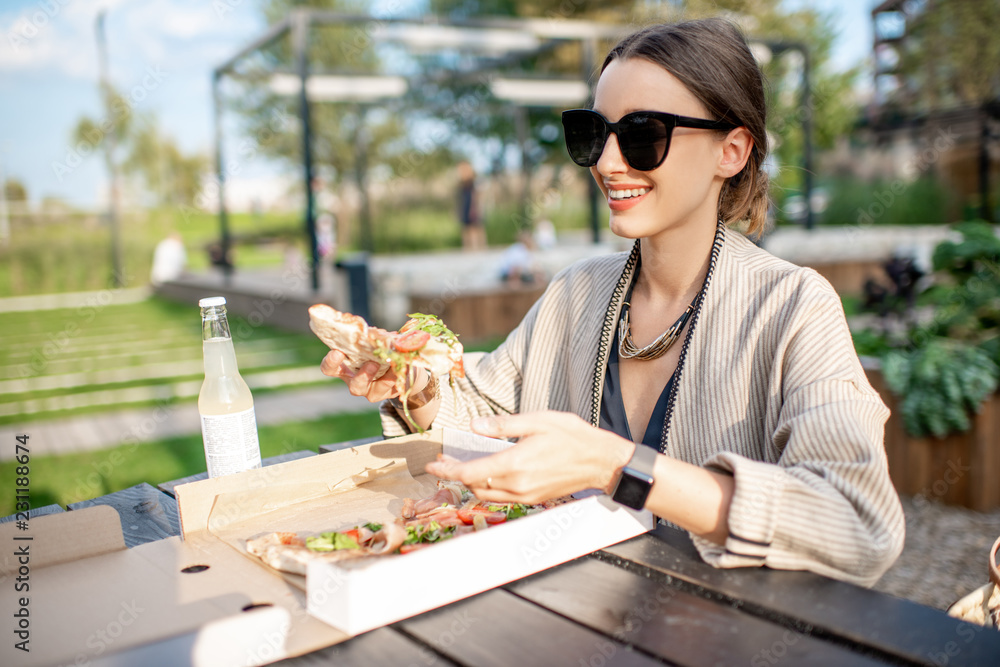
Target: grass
<point>102,348</point>
<point>70,478</point>
<point>73,252</point>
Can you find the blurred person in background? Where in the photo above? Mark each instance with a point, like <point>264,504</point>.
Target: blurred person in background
<point>473,232</point>
<point>169,260</point>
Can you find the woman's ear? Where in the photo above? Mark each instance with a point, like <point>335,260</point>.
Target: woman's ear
<point>736,147</point>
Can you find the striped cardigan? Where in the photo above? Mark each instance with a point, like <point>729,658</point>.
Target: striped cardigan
<point>768,388</point>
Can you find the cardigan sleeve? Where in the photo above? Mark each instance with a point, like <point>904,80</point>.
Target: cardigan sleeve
<point>827,504</point>
<point>492,385</point>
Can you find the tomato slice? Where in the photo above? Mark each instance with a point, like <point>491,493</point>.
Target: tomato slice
<point>468,515</point>
<point>353,534</point>
<point>411,341</point>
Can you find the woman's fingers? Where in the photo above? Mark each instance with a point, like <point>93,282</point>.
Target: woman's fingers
<point>366,381</point>
<point>514,426</point>
<point>332,363</point>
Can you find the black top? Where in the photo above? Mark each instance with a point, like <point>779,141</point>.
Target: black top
<point>613,417</point>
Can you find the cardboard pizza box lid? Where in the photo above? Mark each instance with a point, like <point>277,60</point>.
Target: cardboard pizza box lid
<point>79,596</point>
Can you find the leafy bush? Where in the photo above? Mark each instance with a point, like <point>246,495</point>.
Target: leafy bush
<point>946,367</point>
<point>941,383</point>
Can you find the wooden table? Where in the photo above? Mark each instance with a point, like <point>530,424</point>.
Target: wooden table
<point>646,601</point>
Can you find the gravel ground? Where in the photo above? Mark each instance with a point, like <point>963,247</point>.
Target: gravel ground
<point>945,555</point>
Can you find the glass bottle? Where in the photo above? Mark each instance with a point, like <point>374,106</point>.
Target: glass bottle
<point>228,422</point>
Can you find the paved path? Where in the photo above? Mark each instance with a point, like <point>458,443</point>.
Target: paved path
<point>110,429</point>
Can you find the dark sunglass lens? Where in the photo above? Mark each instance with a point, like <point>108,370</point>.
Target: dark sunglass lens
<point>644,141</point>
<point>584,137</point>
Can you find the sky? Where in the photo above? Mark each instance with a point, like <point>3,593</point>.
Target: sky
<point>161,55</point>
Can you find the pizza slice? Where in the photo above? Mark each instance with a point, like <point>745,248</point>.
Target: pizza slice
<point>450,512</point>
<point>423,342</point>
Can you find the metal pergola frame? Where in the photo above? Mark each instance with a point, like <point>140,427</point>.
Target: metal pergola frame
<point>298,24</point>
<point>551,33</point>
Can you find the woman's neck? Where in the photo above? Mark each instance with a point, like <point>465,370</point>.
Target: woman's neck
<point>674,262</point>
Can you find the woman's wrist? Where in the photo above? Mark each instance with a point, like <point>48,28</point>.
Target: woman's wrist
<point>617,456</point>
<point>418,399</point>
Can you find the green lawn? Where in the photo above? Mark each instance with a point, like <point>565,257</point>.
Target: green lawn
<point>68,361</point>
<point>71,478</point>
<point>72,252</point>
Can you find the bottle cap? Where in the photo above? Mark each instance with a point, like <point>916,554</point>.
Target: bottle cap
<point>210,301</point>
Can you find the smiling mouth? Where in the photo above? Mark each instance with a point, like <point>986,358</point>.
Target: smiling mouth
<point>627,194</point>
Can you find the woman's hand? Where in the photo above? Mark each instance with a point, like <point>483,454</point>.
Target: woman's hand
<point>364,382</point>
<point>558,454</point>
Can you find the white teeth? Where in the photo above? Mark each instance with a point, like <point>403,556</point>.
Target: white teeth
<point>627,194</point>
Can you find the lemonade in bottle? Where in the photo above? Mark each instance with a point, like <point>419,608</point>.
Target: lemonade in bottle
<point>228,422</point>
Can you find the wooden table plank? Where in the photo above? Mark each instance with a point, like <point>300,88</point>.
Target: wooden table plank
<point>347,444</point>
<point>668,622</point>
<point>147,514</point>
<point>35,511</point>
<point>835,609</point>
<point>498,629</point>
<point>168,487</point>
<point>384,646</point>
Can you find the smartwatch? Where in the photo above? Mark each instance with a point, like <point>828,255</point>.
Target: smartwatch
<point>636,479</point>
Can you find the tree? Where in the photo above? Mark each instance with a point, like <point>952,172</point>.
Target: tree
<point>166,172</point>
<point>14,190</point>
<point>943,60</point>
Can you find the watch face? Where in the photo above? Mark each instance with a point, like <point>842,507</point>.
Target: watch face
<point>632,491</point>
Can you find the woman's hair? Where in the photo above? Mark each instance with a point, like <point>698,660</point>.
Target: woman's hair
<point>712,59</point>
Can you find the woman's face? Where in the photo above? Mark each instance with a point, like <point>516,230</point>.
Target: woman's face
<point>684,188</point>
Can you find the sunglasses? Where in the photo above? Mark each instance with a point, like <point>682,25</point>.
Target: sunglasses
<point>643,136</point>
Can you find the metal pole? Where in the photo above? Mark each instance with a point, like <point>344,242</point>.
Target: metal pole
<point>225,239</point>
<point>300,41</point>
<point>807,147</point>
<point>110,148</point>
<point>361,179</point>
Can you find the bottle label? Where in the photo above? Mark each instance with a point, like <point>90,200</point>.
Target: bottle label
<point>230,442</point>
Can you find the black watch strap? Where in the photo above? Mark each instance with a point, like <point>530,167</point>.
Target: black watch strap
<point>636,479</point>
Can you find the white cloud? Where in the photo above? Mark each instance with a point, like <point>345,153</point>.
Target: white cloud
<point>61,39</point>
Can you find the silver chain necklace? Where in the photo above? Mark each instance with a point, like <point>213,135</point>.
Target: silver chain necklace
<point>656,349</point>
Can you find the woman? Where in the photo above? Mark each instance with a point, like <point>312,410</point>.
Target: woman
<point>762,436</point>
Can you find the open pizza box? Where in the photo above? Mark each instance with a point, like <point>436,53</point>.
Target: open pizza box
<point>368,484</point>
<point>75,595</point>
<point>203,600</point>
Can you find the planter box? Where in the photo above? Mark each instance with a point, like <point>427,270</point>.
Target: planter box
<point>960,469</point>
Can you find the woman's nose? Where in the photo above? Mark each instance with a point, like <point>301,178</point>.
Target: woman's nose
<point>611,160</point>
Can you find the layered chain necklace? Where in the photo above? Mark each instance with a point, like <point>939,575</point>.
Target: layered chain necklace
<point>627,348</point>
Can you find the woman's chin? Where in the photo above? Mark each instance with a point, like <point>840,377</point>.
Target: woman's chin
<point>627,229</point>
